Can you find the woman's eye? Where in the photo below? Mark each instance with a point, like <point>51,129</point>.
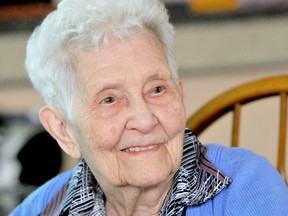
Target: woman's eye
<point>107,100</point>
<point>158,89</point>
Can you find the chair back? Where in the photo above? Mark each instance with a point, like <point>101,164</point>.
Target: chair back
<point>234,99</point>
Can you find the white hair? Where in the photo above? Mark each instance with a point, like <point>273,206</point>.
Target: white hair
<point>78,25</point>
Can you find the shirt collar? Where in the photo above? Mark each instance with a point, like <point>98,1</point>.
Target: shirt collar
<point>196,181</point>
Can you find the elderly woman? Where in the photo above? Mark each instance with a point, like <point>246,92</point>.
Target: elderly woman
<point>114,101</point>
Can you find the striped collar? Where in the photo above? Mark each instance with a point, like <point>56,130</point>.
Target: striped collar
<point>196,181</point>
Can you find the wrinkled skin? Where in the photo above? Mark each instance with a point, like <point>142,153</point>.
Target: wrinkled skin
<point>129,122</point>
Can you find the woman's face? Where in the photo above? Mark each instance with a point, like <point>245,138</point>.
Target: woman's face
<point>129,117</point>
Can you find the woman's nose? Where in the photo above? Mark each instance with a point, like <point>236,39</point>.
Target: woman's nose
<point>140,117</point>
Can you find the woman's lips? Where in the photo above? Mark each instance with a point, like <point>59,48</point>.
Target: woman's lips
<point>140,148</point>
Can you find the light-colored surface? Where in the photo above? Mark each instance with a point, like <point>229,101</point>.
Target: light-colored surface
<point>258,42</point>
<point>12,52</point>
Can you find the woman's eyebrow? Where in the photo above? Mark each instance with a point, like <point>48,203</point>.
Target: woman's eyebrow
<point>117,83</point>
<point>98,87</point>
<point>160,75</point>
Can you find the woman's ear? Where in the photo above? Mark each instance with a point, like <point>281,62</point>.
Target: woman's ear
<point>55,124</point>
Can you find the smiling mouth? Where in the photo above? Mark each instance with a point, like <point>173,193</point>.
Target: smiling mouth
<point>138,149</point>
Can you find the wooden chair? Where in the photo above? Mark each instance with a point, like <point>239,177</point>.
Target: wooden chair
<point>233,100</point>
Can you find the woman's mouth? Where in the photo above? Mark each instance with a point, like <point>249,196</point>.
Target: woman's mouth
<point>139,149</point>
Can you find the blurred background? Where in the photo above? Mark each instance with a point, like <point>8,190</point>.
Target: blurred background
<point>219,44</point>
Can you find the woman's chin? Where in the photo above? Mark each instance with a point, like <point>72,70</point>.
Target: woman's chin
<point>151,179</point>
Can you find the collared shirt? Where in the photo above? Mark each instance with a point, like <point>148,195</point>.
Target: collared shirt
<point>196,181</point>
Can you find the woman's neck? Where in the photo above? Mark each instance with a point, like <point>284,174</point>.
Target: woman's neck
<point>132,201</point>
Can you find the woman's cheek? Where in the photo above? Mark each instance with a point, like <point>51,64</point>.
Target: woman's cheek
<point>113,110</point>
<point>173,114</point>
<point>108,126</point>
<point>101,136</point>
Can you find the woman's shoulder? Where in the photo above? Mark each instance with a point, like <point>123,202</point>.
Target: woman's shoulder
<point>217,151</point>
<point>256,185</point>
<point>240,163</point>
<point>231,158</point>
<point>38,199</point>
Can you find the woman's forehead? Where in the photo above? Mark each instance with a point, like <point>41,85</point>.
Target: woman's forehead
<point>139,57</point>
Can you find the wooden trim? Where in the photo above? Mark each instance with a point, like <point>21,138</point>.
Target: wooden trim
<point>282,134</point>
<point>25,11</point>
<point>233,99</point>
<point>236,125</point>
<point>242,94</point>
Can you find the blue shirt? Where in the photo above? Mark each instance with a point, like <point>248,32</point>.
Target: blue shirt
<point>256,188</point>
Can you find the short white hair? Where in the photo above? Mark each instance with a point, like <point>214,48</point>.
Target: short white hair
<point>78,25</point>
